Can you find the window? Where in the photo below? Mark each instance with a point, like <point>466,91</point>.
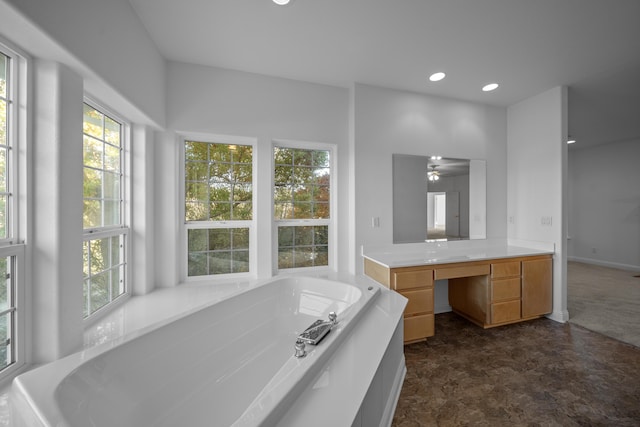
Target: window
<point>7,310</point>
<point>105,233</point>
<point>218,207</point>
<point>6,104</point>
<point>301,199</point>
<point>12,209</point>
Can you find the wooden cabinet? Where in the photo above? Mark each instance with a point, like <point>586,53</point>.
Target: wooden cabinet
<point>537,276</point>
<point>489,292</point>
<point>416,284</point>
<point>505,293</point>
<point>515,290</point>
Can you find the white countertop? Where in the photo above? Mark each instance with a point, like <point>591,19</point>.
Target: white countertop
<point>432,253</point>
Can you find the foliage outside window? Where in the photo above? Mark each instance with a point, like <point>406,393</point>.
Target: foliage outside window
<point>5,103</point>
<point>104,247</point>
<point>103,272</point>
<point>11,249</point>
<point>302,187</point>
<point>218,207</point>
<point>7,311</point>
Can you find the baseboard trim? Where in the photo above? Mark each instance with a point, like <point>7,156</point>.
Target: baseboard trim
<point>605,263</point>
<point>394,396</point>
<point>559,316</point>
<point>442,309</point>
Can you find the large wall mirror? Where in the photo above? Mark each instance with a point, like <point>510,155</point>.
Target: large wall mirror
<point>437,198</point>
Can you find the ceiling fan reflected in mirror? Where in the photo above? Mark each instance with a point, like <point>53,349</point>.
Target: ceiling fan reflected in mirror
<point>433,175</point>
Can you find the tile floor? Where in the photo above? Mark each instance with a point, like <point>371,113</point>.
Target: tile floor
<point>538,373</point>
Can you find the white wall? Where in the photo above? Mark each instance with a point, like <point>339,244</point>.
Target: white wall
<point>103,41</point>
<point>536,175</point>
<point>69,58</point>
<point>387,121</point>
<point>604,208</point>
<point>57,213</point>
<point>215,101</point>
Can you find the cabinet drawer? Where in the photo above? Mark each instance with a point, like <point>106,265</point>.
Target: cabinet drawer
<point>418,327</point>
<point>462,271</point>
<point>504,289</point>
<point>412,279</point>
<point>420,301</point>
<point>505,311</point>
<point>505,269</point>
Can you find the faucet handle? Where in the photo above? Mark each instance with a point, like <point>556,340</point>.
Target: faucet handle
<point>300,351</point>
<point>333,317</point>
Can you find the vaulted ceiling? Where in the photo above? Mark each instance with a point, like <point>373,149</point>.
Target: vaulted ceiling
<point>527,46</point>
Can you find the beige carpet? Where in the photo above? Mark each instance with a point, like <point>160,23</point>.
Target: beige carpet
<point>604,300</point>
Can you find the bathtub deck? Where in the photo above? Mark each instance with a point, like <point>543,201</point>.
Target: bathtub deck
<point>366,345</point>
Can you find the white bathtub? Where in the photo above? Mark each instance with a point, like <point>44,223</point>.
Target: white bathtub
<point>230,364</point>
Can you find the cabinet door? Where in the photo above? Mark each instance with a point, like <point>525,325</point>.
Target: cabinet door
<point>536,287</point>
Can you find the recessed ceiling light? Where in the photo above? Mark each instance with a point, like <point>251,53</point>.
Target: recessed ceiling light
<point>490,87</point>
<point>436,77</point>
<point>571,141</point>
<point>281,2</point>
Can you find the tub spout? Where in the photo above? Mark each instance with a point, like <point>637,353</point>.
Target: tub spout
<point>318,329</point>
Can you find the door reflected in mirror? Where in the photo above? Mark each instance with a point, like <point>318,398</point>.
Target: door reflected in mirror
<point>438,198</point>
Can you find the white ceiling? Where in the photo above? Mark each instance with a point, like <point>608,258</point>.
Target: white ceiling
<point>528,46</point>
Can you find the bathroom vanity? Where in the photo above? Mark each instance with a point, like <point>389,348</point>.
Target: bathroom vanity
<point>489,283</point>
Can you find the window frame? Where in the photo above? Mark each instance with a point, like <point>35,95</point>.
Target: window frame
<point>13,246</point>
<point>185,225</point>
<point>330,222</point>
<point>123,228</point>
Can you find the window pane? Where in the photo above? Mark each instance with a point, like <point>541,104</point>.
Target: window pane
<point>197,264</point>
<point>5,283</point>
<point>225,172</point>
<point>3,170</point>
<point>220,238</point>
<point>302,184</point>
<point>240,262</point>
<point>217,251</point>
<point>196,151</point>
<point>220,211</point>
<point>4,198</point>
<point>92,215</point>
<point>111,158</point>
<point>198,240</point>
<point>112,131</point>
<point>102,158</point>
<point>93,122</point>
<point>92,152</point>
<point>104,271</point>
<point>5,340</point>
<point>111,212</point>
<point>4,63</point>
<point>117,282</point>
<point>85,297</point>
<point>196,211</point>
<point>197,171</point>
<point>303,246</point>
<point>220,262</point>
<point>99,291</point>
<point>302,157</point>
<point>92,183</point>
<point>3,122</point>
